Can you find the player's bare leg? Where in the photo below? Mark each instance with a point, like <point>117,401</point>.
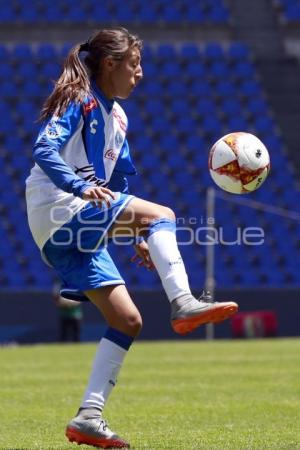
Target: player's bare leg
<point>124,321</point>
<point>157,224</point>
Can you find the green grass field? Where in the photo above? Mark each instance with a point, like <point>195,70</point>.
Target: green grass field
<point>185,395</point>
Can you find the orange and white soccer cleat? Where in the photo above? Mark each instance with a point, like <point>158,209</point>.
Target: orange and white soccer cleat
<point>89,428</point>
<point>188,313</point>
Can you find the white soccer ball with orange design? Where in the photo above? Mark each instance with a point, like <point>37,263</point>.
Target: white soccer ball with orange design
<point>239,163</point>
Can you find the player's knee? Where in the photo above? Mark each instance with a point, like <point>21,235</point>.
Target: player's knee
<point>159,214</point>
<point>134,324</point>
<point>169,214</point>
<point>164,212</point>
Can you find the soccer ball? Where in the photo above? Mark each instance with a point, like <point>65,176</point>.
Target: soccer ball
<point>239,163</point>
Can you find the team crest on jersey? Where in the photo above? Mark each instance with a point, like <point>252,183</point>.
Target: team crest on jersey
<point>88,107</point>
<point>110,154</point>
<point>118,139</point>
<point>53,130</point>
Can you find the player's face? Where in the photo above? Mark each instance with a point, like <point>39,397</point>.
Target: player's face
<point>126,74</point>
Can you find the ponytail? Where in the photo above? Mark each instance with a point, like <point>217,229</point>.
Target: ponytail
<point>72,85</point>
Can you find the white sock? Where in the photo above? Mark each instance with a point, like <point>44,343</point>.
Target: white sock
<point>166,257</point>
<point>106,367</point>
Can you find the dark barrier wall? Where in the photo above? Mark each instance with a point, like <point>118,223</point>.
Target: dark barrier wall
<point>32,317</point>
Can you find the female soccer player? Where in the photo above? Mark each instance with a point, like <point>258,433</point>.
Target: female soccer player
<point>77,197</point>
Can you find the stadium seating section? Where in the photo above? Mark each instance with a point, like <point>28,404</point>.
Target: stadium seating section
<point>190,96</point>
<point>114,11</point>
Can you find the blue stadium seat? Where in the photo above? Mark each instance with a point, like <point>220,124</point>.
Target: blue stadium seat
<point>205,106</point>
<point>169,69</point>
<point>51,70</point>
<point>238,123</point>
<point>151,88</point>
<point>176,88</point>
<point>195,69</point>
<point>154,106</point>
<point>64,50</point>
<point>197,144</point>
<point>159,123</point>
<point>6,71</point>
<point>250,88</point>
<point>212,124</point>
<point>4,53</point>
<point>257,106</point>
<point>171,14</point>
<point>167,142</point>
<point>225,88</point>
<point>30,88</point>
<point>22,52</point>
<point>219,14</point>
<point>189,52</point>
<point>289,10</point>
<point>27,108</point>
<point>264,124</point>
<point>136,125</point>
<point>244,70</point>
<point>124,14</point>
<point>165,52</point>
<point>220,69</point>
<point>46,52</point>
<point>149,69</point>
<point>7,13</point>
<point>27,70</point>
<point>238,51</point>
<point>147,13</point>
<point>213,51</point>
<point>180,107</point>
<point>148,53</point>
<point>231,106</point>
<point>200,88</point>
<point>30,14</point>
<point>194,13</point>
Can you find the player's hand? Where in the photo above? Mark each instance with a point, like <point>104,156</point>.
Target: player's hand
<point>142,256</point>
<point>98,195</point>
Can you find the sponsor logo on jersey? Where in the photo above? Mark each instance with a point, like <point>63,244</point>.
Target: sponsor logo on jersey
<point>88,174</point>
<point>110,154</point>
<point>118,139</point>
<point>120,120</point>
<point>53,130</point>
<point>88,107</point>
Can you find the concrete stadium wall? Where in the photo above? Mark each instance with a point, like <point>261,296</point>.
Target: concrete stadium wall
<point>32,317</point>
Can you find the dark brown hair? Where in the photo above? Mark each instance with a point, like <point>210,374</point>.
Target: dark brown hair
<point>74,82</point>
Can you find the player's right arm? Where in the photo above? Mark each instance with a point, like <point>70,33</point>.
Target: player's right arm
<point>54,135</point>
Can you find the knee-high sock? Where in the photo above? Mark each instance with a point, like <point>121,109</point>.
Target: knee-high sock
<point>166,257</point>
<point>108,361</point>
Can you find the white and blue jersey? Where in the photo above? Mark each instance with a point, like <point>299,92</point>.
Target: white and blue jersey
<point>85,147</point>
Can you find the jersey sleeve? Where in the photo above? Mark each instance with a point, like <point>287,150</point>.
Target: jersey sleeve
<point>53,136</point>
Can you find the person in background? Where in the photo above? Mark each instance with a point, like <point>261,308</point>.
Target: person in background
<point>70,317</point>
